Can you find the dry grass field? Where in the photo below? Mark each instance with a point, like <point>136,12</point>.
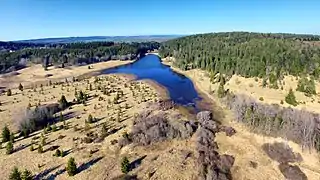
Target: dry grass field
<point>36,73</point>
<point>113,101</point>
<point>246,146</point>
<point>118,105</point>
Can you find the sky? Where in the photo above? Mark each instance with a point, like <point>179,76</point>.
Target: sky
<point>31,19</point>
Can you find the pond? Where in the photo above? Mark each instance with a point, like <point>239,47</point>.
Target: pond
<point>181,89</point>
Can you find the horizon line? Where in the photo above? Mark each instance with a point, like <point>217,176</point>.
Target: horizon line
<point>174,34</point>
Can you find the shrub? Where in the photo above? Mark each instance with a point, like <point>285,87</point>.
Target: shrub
<point>264,82</point>
<point>31,120</point>
<point>26,175</point>
<point>9,93</point>
<point>5,134</point>
<point>281,102</point>
<point>61,119</point>
<point>54,128</point>
<point>71,167</point>
<point>57,153</point>
<point>150,129</point>
<point>276,121</point>
<point>307,86</point>
<point>48,128</point>
<point>9,147</point>
<point>31,147</point>
<point>90,119</point>
<point>63,153</point>
<point>63,103</point>
<point>261,99</point>
<point>81,97</point>
<point>15,174</point>
<point>40,149</point>
<point>291,98</point>
<point>125,165</point>
<point>221,91</point>
<point>12,137</point>
<point>20,87</point>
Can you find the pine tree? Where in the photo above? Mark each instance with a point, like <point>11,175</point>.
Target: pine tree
<point>90,119</point>
<point>12,137</point>
<point>71,167</point>
<point>9,147</point>
<point>291,98</point>
<point>15,174</point>
<point>57,153</point>
<point>221,91</point>
<point>61,119</point>
<point>31,147</point>
<point>63,103</point>
<point>5,134</point>
<point>125,165</point>
<point>40,149</point>
<point>26,175</point>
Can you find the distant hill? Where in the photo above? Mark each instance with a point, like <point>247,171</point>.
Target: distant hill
<point>158,38</point>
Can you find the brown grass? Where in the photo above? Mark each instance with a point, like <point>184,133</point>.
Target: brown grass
<point>245,146</point>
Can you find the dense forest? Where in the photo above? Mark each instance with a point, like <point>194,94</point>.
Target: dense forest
<point>269,56</point>
<point>16,55</point>
<point>247,54</point>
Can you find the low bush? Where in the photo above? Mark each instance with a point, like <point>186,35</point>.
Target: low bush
<point>38,118</point>
<point>307,86</point>
<point>296,125</point>
<point>291,98</point>
<point>148,129</point>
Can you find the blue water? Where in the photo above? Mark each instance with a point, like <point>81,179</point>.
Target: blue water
<point>180,88</point>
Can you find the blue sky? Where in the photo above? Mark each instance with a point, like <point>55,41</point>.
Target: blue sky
<point>27,19</point>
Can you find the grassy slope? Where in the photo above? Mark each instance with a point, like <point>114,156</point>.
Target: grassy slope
<point>165,160</point>
<point>246,146</point>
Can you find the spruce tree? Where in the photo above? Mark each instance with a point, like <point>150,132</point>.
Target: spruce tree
<point>90,119</point>
<point>9,147</point>
<point>291,98</point>
<point>40,149</point>
<point>63,103</point>
<point>71,167</point>
<point>15,174</point>
<point>125,165</point>
<point>26,175</point>
<point>5,134</point>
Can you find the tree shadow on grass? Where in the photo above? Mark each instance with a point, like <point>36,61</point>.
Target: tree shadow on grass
<point>66,116</point>
<point>49,142</point>
<point>126,177</point>
<point>67,152</point>
<point>56,174</point>
<point>136,163</point>
<point>21,147</point>
<point>88,164</point>
<point>32,135</point>
<point>44,173</point>
<point>51,148</point>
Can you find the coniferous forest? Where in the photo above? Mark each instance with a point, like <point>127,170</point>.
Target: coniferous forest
<point>16,55</point>
<point>247,54</point>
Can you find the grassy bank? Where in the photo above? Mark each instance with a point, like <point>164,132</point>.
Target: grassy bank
<point>245,145</point>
